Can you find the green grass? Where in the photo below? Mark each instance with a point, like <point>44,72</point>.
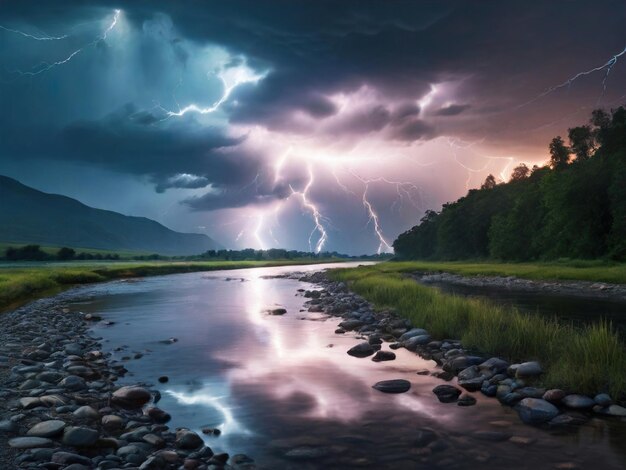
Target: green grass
<point>586,360</point>
<point>21,284</point>
<point>578,270</point>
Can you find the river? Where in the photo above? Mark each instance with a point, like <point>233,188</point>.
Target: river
<point>283,390</point>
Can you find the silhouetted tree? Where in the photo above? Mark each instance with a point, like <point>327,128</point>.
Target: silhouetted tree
<point>559,153</point>
<point>520,172</point>
<point>65,254</point>
<point>582,141</point>
<point>490,183</point>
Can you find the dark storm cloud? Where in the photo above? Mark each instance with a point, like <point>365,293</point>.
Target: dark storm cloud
<point>452,110</point>
<point>252,194</point>
<point>363,122</point>
<point>416,129</point>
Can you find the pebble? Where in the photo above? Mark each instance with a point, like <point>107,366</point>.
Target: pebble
<point>49,428</point>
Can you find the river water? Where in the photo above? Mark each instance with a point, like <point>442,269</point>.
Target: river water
<point>283,390</point>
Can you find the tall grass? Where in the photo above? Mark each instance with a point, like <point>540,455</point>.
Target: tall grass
<point>576,270</point>
<point>19,285</point>
<point>586,360</point>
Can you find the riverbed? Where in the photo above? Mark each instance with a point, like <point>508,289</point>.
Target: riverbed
<point>283,390</point>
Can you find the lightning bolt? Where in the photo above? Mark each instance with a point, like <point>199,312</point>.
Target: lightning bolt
<point>317,216</point>
<point>45,66</point>
<point>373,217</point>
<point>455,144</point>
<point>231,78</point>
<point>607,67</point>
<point>31,36</point>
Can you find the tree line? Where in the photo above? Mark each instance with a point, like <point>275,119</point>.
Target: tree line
<point>574,207</point>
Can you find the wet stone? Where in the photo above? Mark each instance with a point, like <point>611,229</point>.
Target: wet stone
<point>383,356</point>
<point>393,386</point>
<point>30,442</point>
<point>49,428</point>
<point>446,393</point>
<point>361,350</point>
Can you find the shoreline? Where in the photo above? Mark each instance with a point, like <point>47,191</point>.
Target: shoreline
<point>60,404</point>
<point>586,289</point>
<point>21,285</point>
<point>514,384</point>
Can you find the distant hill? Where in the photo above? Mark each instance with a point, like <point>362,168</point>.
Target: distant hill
<point>31,216</point>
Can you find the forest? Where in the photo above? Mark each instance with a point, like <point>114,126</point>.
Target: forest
<point>574,207</point>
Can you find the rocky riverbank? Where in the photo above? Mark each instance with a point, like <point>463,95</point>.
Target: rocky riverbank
<point>61,407</point>
<point>516,385</point>
<point>570,288</point>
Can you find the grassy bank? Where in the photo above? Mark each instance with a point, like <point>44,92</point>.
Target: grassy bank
<point>581,270</point>
<point>21,284</point>
<point>586,360</point>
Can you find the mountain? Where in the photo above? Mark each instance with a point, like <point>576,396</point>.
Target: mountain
<point>31,216</point>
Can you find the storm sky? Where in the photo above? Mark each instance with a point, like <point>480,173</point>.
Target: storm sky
<point>304,125</point>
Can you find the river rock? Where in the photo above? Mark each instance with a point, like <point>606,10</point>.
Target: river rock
<point>469,373</point>
<point>578,402</point>
<point>49,428</point>
<point>494,365</point>
<point>466,400</point>
<point>446,393</point>
<point>603,399</point>
<point>188,440</point>
<point>69,458</point>
<point>412,333</point>
<point>7,425</point>
<point>536,410</point>
<point>112,422</point>
<point>351,324</point>
<point>458,363</point>
<point>393,386</point>
<point>87,412</point>
<point>29,402</point>
<point>567,419</point>
<point>73,383</point>
<point>30,442</point>
<point>278,311</point>
<point>158,415</point>
<point>554,395</point>
<point>611,410</point>
<point>384,356</point>
<point>416,341</point>
<point>528,369</point>
<point>80,436</point>
<point>361,350</point>
<point>131,397</point>
<point>472,385</point>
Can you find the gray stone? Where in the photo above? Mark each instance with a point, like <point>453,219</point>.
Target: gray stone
<point>446,393</point>
<point>30,442</point>
<point>472,385</point>
<point>8,426</point>
<point>80,436</point>
<point>361,350</point>
<point>87,412</point>
<point>528,369</point>
<point>186,439</point>
<point>49,428</point>
<point>466,400</point>
<point>112,422</point>
<point>603,399</point>
<point>29,402</point>
<point>393,386</point>
<point>73,382</point>
<point>494,365</point>
<point>416,341</point>
<point>384,356</point>
<point>412,333</point>
<point>131,397</point>
<point>611,410</point>
<point>554,395</point>
<point>536,410</point>
<point>352,324</point>
<point>578,402</point>
<point>469,373</point>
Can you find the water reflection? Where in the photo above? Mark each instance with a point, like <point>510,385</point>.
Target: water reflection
<point>273,384</point>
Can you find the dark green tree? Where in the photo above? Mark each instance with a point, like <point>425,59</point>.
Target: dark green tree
<point>559,153</point>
